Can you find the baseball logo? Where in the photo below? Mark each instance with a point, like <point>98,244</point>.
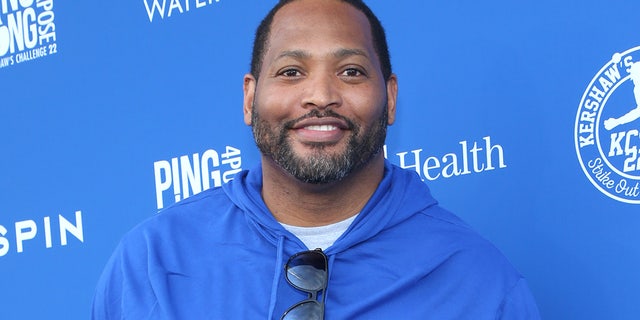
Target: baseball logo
<point>607,129</point>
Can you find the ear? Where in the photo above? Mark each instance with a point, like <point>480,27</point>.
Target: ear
<point>249,88</point>
<point>392,98</point>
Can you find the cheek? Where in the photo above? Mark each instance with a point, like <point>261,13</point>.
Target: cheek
<point>368,109</point>
<point>276,104</point>
<point>366,100</point>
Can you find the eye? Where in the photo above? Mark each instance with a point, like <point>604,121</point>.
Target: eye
<point>291,72</point>
<point>352,72</point>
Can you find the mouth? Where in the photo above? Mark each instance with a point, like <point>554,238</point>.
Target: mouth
<point>327,123</point>
<point>321,127</point>
<point>328,130</point>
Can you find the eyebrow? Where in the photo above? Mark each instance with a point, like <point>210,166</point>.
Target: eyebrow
<point>298,54</point>
<point>340,53</point>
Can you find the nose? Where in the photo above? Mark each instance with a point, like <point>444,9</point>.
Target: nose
<point>322,92</point>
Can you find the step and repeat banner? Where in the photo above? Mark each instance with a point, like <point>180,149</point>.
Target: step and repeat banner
<point>522,117</point>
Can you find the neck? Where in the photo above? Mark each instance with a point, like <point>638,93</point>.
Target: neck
<point>308,205</point>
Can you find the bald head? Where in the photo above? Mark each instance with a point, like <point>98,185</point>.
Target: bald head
<point>379,40</point>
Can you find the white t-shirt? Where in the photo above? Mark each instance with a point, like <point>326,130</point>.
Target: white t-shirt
<point>320,237</point>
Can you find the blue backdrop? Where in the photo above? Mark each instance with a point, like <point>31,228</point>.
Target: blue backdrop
<point>111,110</point>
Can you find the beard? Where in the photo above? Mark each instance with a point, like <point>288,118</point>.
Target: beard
<point>319,167</point>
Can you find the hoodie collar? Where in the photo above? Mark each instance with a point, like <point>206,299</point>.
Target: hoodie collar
<point>400,195</point>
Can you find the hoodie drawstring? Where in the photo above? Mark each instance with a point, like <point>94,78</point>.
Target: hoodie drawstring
<point>276,278</point>
<point>330,268</point>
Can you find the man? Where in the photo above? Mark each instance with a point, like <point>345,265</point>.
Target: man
<point>319,98</point>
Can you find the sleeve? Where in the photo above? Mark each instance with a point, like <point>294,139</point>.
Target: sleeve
<point>107,300</point>
<point>124,290</point>
<point>519,304</point>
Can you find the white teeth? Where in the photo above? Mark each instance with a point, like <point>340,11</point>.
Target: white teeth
<point>322,128</point>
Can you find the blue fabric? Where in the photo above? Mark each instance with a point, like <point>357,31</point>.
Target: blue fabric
<point>219,255</point>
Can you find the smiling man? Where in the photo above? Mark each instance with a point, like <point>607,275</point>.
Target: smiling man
<point>325,227</point>
<point>319,104</point>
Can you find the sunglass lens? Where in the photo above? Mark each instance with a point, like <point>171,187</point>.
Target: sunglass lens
<point>308,310</point>
<point>307,271</point>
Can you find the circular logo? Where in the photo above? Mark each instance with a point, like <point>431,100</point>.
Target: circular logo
<point>607,130</point>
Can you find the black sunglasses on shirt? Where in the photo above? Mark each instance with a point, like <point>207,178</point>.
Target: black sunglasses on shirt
<point>307,271</point>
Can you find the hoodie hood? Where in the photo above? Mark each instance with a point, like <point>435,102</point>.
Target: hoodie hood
<point>400,195</point>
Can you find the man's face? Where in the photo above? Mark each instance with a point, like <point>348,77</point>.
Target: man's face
<point>320,107</point>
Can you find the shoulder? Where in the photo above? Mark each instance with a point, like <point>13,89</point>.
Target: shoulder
<point>154,247</point>
<point>478,264</point>
<point>183,226</point>
<point>440,242</point>
<point>453,235</point>
<point>195,210</point>
<point>475,263</point>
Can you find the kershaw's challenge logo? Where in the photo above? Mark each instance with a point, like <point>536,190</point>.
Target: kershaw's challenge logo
<point>27,31</point>
<point>607,131</point>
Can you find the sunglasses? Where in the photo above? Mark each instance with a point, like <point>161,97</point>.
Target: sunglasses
<point>307,271</point>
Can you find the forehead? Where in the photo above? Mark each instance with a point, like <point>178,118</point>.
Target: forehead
<point>319,27</point>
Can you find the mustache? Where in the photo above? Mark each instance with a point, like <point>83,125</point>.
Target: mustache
<point>315,113</point>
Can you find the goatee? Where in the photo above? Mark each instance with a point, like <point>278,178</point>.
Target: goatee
<point>320,167</point>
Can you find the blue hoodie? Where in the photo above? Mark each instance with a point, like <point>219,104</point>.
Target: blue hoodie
<point>220,255</point>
